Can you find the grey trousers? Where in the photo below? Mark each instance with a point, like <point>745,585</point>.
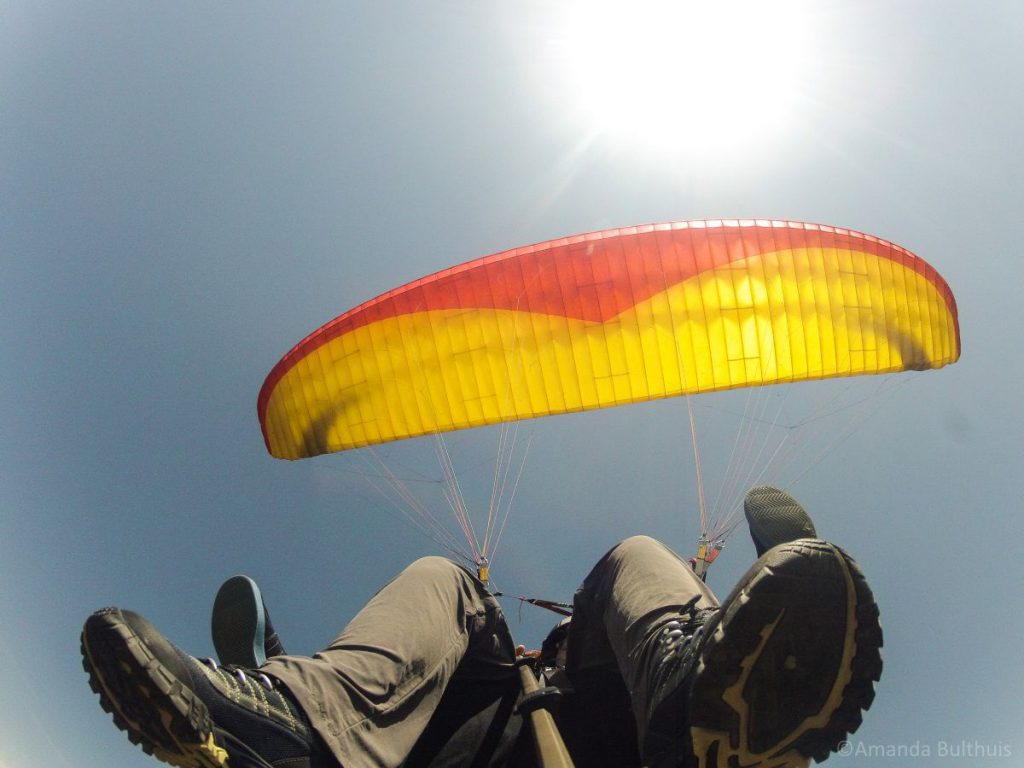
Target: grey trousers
<point>371,692</point>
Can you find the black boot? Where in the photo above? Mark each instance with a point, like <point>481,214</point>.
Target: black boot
<point>775,517</point>
<point>240,624</point>
<point>189,713</point>
<point>778,675</point>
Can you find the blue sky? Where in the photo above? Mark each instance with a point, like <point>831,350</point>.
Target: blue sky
<point>190,188</point>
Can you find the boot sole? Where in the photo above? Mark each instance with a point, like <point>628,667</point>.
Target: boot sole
<point>146,700</point>
<point>790,668</point>
<point>238,624</point>
<point>774,517</point>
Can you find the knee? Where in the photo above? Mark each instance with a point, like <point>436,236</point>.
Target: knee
<point>641,549</point>
<point>436,568</point>
<point>638,544</point>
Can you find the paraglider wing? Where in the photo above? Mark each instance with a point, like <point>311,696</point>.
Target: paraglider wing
<point>605,319</point>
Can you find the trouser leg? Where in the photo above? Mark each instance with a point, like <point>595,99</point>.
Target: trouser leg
<point>371,692</point>
<point>630,593</point>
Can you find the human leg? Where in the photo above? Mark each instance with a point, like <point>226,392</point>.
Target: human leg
<point>779,674</point>
<point>368,696</point>
<point>372,691</point>
<point>637,587</point>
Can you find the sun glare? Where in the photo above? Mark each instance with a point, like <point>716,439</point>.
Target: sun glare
<point>692,76</point>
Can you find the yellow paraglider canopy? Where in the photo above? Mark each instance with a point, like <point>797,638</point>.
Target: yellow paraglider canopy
<point>609,318</point>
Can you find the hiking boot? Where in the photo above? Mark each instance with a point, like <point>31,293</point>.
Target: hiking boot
<point>780,674</point>
<point>242,631</point>
<point>189,713</point>
<point>775,517</point>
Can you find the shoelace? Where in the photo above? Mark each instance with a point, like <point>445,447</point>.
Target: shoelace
<point>239,673</point>
<point>679,634</point>
<point>242,754</point>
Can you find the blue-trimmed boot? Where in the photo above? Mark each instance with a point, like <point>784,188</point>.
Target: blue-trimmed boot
<point>240,624</point>
<point>190,713</point>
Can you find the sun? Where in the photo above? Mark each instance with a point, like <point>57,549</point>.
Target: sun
<point>694,76</point>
